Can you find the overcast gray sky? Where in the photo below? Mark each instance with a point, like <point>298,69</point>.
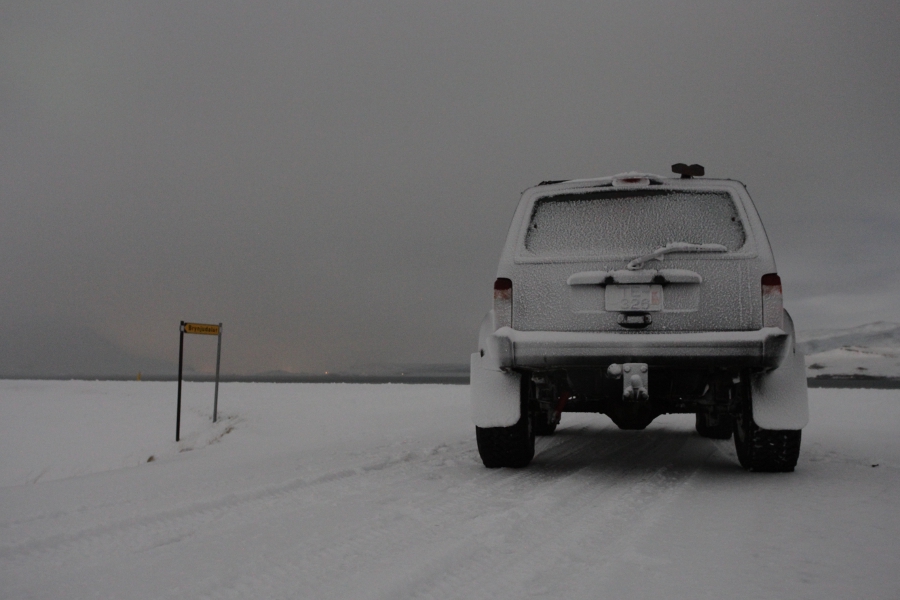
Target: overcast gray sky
<point>334,180</point>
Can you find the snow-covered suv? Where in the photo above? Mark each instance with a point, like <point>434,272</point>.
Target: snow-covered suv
<point>634,296</point>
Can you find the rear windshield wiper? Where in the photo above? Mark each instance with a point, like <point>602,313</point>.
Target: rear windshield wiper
<point>638,262</point>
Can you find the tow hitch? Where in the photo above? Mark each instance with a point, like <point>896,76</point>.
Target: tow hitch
<point>635,380</point>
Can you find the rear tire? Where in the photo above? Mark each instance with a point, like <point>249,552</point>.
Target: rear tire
<point>511,446</point>
<point>720,430</point>
<point>764,450</point>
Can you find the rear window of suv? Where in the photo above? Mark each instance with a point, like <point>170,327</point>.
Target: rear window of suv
<point>631,222</point>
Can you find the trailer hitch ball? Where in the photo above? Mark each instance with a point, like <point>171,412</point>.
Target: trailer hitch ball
<point>635,383</point>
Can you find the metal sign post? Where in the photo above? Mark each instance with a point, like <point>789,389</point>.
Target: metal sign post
<point>180,363</point>
<point>218,361</point>
<point>201,329</point>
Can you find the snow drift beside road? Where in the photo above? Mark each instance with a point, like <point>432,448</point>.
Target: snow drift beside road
<point>376,491</point>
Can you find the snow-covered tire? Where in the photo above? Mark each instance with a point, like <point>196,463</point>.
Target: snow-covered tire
<point>721,430</point>
<point>764,450</point>
<point>511,446</point>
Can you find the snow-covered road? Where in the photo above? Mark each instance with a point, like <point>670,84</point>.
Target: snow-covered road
<point>376,491</point>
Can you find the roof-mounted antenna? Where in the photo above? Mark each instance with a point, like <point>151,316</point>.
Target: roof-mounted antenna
<point>688,171</point>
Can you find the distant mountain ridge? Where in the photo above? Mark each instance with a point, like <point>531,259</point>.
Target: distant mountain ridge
<point>881,334</point>
<point>866,351</point>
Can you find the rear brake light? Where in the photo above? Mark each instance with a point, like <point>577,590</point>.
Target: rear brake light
<point>503,302</point>
<point>772,301</point>
<point>631,181</point>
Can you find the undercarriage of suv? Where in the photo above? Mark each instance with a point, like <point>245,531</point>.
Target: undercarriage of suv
<point>713,392</point>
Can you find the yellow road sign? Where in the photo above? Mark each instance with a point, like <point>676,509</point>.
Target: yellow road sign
<point>201,328</point>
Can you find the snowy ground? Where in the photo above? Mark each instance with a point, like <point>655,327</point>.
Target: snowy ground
<point>376,491</point>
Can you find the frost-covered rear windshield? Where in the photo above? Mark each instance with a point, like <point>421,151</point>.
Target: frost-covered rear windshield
<point>631,222</point>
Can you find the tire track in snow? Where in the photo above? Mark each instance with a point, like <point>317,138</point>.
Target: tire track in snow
<point>365,553</point>
<point>367,541</point>
<point>592,515</point>
<point>142,532</point>
<point>448,522</point>
<point>316,566</point>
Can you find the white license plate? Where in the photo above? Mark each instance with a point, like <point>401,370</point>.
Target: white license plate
<point>634,297</point>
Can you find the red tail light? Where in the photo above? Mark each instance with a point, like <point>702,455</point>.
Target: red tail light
<point>503,288</point>
<point>772,301</point>
<point>503,302</point>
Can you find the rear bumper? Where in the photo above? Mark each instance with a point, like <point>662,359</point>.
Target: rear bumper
<point>761,349</point>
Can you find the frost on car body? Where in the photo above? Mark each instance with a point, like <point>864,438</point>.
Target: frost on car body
<point>672,277</point>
